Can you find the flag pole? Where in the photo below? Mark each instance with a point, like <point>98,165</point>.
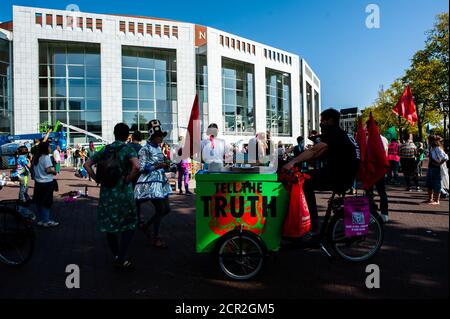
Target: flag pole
<point>400,128</point>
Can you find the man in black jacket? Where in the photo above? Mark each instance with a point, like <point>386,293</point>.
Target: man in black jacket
<point>342,156</point>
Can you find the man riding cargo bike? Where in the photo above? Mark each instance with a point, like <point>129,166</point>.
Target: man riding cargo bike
<point>243,212</point>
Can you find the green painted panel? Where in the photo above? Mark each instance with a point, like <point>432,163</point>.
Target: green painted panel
<point>225,201</point>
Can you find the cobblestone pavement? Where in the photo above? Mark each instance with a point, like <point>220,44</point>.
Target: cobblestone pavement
<point>413,260</point>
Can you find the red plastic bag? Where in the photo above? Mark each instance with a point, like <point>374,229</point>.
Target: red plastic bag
<point>298,219</point>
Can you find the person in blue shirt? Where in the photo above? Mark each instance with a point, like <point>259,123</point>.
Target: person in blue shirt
<point>23,172</point>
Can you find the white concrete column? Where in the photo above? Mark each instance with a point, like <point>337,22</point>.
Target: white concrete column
<point>295,101</point>
<point>111,70</point>
<point>214,61</point>
<point>260,97</point>
<point>186,79</point>
<point>25,73</point>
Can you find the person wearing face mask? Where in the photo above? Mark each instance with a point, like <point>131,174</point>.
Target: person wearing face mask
<point>342,155</point>
<point>213,149</point>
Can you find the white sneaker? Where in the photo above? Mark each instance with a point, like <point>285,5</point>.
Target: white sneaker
<point>51,224</point>
<point>385,218</point>
<point>40,223</point>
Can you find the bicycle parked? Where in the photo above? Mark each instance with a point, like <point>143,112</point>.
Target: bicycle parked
<point>16,233</point>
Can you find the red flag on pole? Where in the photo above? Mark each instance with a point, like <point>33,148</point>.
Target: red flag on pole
<point>193,132</point>
<point>405,107</point>
<point>376,164</point>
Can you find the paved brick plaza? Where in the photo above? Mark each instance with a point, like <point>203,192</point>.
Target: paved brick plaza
<point>413,260</point>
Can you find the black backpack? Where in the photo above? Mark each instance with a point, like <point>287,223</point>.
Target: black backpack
<point>109,171</point>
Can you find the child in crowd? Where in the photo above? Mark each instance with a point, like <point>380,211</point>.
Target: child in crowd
<point>22,172</point>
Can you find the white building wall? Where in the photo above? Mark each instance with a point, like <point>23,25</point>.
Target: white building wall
<point>26,61</point>
<point>111,39</point>
<point>216,51</point>
<point>310,77</point>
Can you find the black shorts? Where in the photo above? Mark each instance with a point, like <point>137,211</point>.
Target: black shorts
<point>43,194</point>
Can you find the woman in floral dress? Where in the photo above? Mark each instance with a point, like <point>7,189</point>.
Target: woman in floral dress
<point>116,212</point>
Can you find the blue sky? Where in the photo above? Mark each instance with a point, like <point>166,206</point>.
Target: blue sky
<point>351,60</point>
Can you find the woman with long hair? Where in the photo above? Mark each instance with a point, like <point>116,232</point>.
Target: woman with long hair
<point>44,186</point>
<point>434,178</point>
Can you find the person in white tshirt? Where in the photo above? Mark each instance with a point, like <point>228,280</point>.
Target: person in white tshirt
<point>213,149</point>
<point>44,185</point>
<point>57,159</point>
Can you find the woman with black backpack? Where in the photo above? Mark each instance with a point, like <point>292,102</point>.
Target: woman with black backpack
<point>117,167</point>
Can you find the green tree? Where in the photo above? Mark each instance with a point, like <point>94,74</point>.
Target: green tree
<point>429,81</point>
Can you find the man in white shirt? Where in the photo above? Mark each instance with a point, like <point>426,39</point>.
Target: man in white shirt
<point>213,149</point>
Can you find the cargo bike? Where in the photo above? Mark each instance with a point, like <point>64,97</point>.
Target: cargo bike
<point>240,216</point>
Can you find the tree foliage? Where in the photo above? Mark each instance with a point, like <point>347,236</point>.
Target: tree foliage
<point>429,81</point>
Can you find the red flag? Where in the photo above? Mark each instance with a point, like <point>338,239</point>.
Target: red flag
<point>298,220</point>
<point>193,132</point>
<point>376,164</point>
<point>405,107</point>
<point>361,139</point>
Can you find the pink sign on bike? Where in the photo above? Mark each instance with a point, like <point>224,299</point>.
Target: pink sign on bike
<point>356,216</point>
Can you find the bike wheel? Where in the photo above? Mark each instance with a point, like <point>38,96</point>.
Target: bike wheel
<point>358,248</point>
<point>16,238</point>
<point>241,255</point>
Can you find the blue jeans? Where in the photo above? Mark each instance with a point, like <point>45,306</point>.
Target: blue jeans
<point>43,214</point>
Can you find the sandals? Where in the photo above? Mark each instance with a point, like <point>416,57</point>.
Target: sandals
<point>155,242</point>
<point>123,265</point>
<point>158,243</point>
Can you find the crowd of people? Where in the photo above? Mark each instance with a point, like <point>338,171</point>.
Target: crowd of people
<point>408,157</point>
<point>133,178</point>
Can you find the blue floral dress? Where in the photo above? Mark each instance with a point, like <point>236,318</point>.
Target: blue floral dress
<point>152,183</point>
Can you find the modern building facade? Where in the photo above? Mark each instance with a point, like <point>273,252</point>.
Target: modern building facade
<point>93,71</point>
<point>349,116</point>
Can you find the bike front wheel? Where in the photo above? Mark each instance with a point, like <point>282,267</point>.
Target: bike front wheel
<point>357,248</point>
<point>241,255</point>
<point>16,238</point>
